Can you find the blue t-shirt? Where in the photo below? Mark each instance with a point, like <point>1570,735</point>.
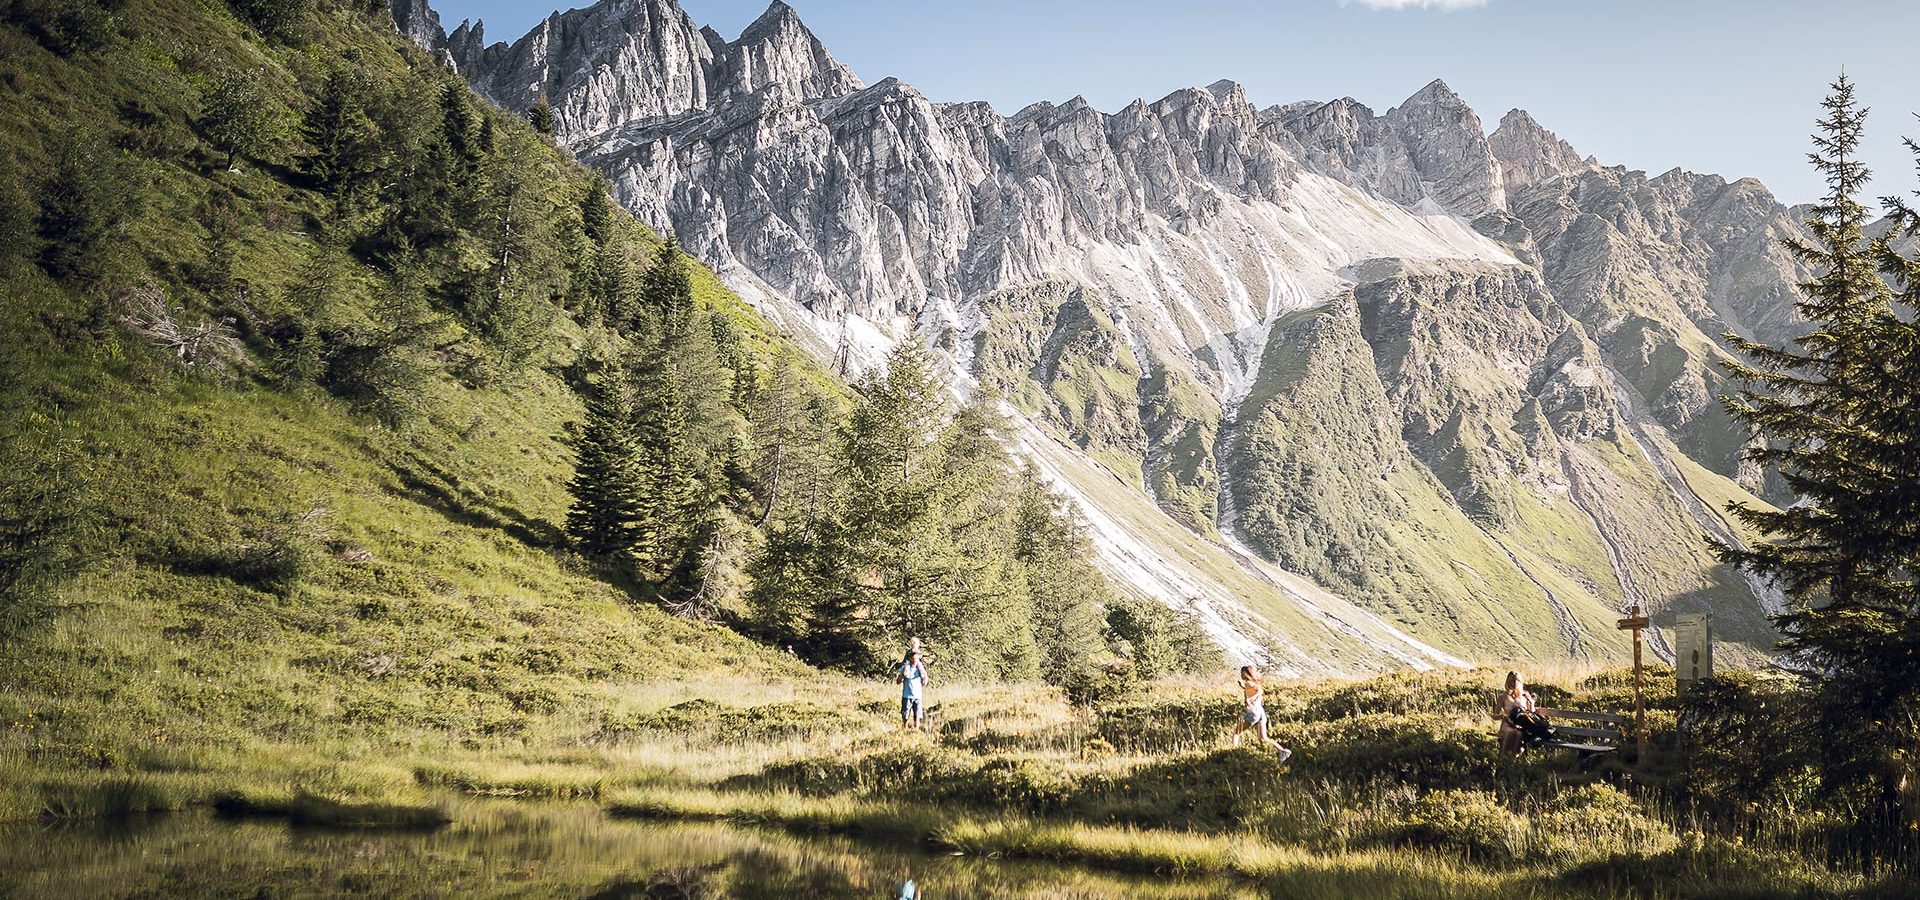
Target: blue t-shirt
<point>912,675</point>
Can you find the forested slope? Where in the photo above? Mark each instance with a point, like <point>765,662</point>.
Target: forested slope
<point>296,334</point>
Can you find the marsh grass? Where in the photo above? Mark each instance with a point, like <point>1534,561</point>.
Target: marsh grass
<point>1407,800</point>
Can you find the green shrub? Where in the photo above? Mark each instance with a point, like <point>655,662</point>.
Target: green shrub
<point>1032,785</point>
<point>1219,788</point>
<point>67,26</point>
<point>1158,640</point>
<point>284,553</point>
<point>1695,866</point>
<point>92,192</point>
<point>17,213</point>
<point>389,383</point>
<point>1162,724</point>
<point>278,19</point>
<point>1412,692</point>
<point>1612,689</point>
<point>704,718</point>
<point>917,771</point>
<point>1096,685</point>
<point>1598,819</point>
<point>1421,749</point>
<point>46,525</point>
<point>1747,744</point>
<point>114,796</point>
<point>1474,823</point>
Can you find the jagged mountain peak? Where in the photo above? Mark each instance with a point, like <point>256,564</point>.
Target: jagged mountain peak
<point>1436,92</point>
<point>779,49</point>
<point>1226,90</point>
<point>1428,153</point>
<point>1529,153</point>
<point>1519,119</point>
<point>778,16</point>
<point>416,20</point>
<point>625,61</point>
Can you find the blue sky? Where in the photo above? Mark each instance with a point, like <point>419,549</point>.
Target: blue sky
<point>1724,86</point>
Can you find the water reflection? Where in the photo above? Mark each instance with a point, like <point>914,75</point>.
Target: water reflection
<point>519,850</point>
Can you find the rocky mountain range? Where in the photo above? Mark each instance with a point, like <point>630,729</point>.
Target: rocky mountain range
<point>1359,389</point>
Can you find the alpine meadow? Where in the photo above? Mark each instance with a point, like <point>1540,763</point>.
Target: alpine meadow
<point>631,462</point>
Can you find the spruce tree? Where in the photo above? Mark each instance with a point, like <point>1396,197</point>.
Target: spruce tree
<point>666,290</point>
<point>1836,415</point>
<point>45,519</point>
<point>676,501</point>
<point>977,601</point>
<point>613,292</point>
<point>786,440</point>
<point>17,211</point>
<point>84,201</point>
<point>509,304</point>
<point>786,580</point>
<point>596,212</point>
<point>891,455</point>
<point>460,123</point>
<point>339,131</point>
<point>605,518</point>
<point>276,19</point>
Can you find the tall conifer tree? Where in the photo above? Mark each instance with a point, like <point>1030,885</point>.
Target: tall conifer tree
<point>1836,412</point>
<point>667,290</point>
<point>605,518</point>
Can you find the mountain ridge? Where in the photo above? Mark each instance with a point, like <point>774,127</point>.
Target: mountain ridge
<point>1182,235</point>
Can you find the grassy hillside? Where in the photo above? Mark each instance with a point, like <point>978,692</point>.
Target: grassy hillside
<point>284,587</point>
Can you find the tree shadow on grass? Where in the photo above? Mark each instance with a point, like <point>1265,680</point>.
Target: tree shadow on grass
<point>432,485</point>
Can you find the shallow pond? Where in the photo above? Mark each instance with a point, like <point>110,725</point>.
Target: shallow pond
<point>518,850</point>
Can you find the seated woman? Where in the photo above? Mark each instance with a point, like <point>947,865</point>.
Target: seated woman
<point>1514,700</point>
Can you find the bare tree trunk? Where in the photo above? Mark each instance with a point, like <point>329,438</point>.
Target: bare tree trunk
<point>506,229</point>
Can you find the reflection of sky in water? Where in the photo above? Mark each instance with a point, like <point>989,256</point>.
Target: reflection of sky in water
<point>501,849</point>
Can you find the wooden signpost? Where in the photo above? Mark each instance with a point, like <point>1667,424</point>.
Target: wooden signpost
<point>1635,622</point>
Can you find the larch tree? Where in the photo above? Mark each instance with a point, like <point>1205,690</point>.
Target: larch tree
<point>237,115</point>
<point>1067,591</point>
<point>541,116</point>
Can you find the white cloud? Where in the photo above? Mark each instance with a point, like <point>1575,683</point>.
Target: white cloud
<point>1444,5</point>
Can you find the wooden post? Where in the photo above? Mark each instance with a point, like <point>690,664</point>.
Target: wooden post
<point>1634,622</point>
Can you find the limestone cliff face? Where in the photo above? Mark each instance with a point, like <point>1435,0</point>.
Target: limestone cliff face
<point>1530,154</point>
<point>1463,381</point>
<point>1429,151</point>
<point>623,61</point>
<point>1659,268</point>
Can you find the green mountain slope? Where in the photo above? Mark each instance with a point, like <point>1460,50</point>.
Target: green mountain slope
<point>282,573</point>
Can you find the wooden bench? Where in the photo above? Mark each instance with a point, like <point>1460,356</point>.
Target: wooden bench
<point>1599,734</point>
